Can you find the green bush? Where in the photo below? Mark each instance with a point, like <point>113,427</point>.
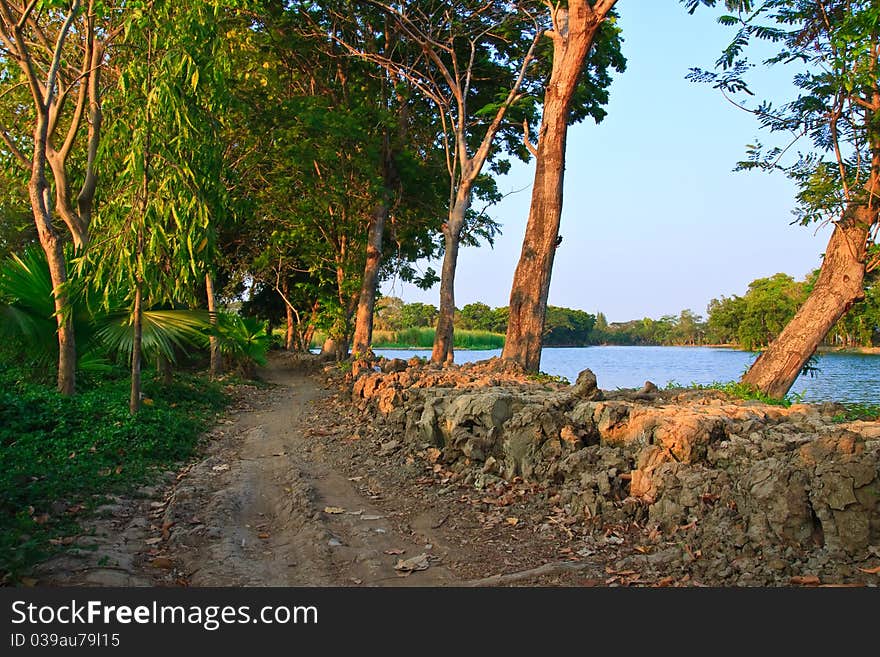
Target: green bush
<point>243,341</point>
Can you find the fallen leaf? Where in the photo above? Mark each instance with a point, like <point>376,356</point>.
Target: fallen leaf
<point>372,517</point>
<point>433,454</point>
<point>153,541</point>
<point>28,582</point>
<point>513,522</point>
<point>162,562</point>
<point>157,505</point>
<point>871,571</point>
<point>220,468</point>
<point>334,509</point>
<point>41,519</point>
<point>358,478</point>
<point>395,551</point>
<point>264,535</point>
<point>805,580</point>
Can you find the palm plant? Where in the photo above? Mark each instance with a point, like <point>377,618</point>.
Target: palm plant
<point>244,341</point>
<point>102,321</point>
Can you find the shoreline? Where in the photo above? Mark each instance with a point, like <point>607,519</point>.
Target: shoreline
<point>864,351</point>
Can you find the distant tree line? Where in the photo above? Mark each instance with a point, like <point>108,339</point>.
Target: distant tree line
<point>750,321</point>
<point>755,319</point>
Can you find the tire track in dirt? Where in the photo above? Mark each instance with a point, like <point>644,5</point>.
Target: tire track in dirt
<point>253,512</point>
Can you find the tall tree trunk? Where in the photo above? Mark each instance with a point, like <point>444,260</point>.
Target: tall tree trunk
<point>134,403</point>
<point>839,286</point>
<point>531,281</point>
<point>363,328</point>
<point>290,335</point>
<point>38,192</point>
<point>443,351</point>
<point>66,336</point>
<point>213,343</point>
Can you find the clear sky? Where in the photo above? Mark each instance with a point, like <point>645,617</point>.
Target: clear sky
<point>654,219</point>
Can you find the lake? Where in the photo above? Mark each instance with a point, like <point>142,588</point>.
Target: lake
<point>843,377</point>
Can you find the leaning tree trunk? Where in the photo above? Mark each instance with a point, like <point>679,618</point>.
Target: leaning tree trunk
<point>531,282</point>
<point>363,328</point>
<point>443,351</point>
<point>213,342</point>
<point>839,286</point>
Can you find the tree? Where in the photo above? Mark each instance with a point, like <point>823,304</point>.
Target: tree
<point>59,51</point>
<point>167,189</point>
<point>835,45</point>
<point>575,28</point>
<point>471,60</point>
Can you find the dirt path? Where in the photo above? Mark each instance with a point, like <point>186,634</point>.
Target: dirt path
<point>263,507</point>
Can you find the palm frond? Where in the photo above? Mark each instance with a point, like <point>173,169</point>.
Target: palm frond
<point>163,331</point>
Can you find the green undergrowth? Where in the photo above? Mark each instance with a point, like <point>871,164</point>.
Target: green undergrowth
<point>851,412</point>
<point>740,391</point>
<point>60,455</point>
<point>869,412</point>
<point>543,377</point>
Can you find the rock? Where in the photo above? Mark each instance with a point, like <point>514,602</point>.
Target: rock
<point>586,387</point>
<point>388,448</point>
<point>394,365</point>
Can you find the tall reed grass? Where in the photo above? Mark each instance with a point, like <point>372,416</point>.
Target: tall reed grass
<point>423,338</point>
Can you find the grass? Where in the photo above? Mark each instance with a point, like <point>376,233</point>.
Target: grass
<point>423,338</point>
<point>60,455</point>
<point>740,391</point>
<point>870,412</point>
<point>543,377</point>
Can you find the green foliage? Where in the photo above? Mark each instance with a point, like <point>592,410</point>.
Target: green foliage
<point>543,377</point>
<point>564,327</point>
<point>243,340</point>
<point>755,319</point>
<point>59,454</point>
<point>103,321</point>
<point>829,132</point>
<point>746,392</point>
<point>687,328</point>
<point>853,412</point>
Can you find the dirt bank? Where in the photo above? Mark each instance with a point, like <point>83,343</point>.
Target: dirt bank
<point>730,492</point>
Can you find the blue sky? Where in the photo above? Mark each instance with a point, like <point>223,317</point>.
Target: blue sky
<point>654,219</point>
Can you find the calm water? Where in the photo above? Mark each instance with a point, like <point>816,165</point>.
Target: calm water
<point>843,377</point>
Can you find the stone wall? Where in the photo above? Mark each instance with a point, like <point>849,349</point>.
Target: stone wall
<point>745,473</point>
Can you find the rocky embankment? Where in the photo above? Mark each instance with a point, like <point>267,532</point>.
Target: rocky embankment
<point>758,488</point>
